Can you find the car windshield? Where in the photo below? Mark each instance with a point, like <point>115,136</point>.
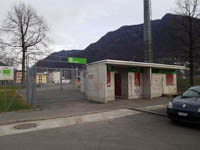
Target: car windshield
<point>191,93</point>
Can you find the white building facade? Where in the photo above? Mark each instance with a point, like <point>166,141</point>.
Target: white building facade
<point>54,77</point>
<point>109,80</point>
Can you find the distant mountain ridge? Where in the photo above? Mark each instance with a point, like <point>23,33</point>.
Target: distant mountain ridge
<point>126,43</point>
<point>56,59</point>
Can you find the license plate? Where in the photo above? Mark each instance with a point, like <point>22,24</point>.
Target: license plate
<point>182,114</point>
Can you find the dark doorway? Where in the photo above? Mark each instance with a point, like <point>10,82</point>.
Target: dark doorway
<point>118,84</point>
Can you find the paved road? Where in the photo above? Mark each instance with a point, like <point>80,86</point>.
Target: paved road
<point>136,132</point>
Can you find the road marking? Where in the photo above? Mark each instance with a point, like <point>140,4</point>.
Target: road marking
<point>68,121</point>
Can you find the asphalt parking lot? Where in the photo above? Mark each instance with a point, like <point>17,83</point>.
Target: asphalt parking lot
<point>136,132</point>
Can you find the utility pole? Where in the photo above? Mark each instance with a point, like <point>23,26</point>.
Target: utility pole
<point>147,32</point>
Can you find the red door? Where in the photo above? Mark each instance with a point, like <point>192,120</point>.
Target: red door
<point>117,84</point>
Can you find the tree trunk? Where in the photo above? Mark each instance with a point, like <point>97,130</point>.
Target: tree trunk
<point>23,67</point>
<point>191,68</point>
<point>191,55</point>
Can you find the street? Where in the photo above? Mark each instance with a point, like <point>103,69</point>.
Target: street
<point>139,131</point>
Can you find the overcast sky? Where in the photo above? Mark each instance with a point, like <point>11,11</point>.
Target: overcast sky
<point>75,24</point>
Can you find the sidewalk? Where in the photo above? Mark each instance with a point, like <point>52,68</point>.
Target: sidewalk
<point>73,108</point>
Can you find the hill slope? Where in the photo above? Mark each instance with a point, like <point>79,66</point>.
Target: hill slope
<point>126,43</point>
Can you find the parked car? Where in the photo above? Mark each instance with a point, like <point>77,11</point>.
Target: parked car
<point>186,107</point>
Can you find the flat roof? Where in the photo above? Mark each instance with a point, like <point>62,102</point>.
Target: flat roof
<point>138,64</point>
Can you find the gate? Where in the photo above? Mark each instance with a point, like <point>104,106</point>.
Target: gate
<point>55,85</point>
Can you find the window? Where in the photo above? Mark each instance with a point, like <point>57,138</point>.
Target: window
<point>40,79</point>
<point>169,79</point>
<point>191,93</point>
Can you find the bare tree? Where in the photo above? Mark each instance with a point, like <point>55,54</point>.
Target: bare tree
<point>190,32</point>
<point>24,33</point>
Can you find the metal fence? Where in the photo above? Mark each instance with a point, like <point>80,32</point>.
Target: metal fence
<point>54,84</point>
<point>9,92</point>
<point>43,85</point>
<point>31,86</point>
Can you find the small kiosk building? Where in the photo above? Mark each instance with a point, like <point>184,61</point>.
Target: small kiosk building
<point>108,80</point>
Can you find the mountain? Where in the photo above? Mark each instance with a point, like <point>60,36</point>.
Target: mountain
<point>53,60</point>
<point>126,43</point>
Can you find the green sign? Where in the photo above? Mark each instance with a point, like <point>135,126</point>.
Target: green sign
<point>76,60</point>
<point>6,71</point>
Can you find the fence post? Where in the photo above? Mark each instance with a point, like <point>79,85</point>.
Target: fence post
<point>76,76</point>
<point>5,93</point>
<point>31,86</point>
<point>61,88</point>
<point>27,86</point>
<point>34,99</point>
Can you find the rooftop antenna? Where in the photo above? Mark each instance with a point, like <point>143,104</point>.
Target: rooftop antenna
<point>147,32</point>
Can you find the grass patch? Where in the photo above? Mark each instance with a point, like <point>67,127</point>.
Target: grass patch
<point>18,104</point>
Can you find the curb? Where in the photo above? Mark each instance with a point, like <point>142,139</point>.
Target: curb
<point>148,111</point>
<point>49,118</point>
<point>80,114</point>
<point>26,110</point>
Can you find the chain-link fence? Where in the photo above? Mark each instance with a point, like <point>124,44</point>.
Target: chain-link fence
<point>55,84</point>
<point>12,96</point>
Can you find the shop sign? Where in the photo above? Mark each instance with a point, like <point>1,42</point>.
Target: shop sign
<point>6,73</point>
